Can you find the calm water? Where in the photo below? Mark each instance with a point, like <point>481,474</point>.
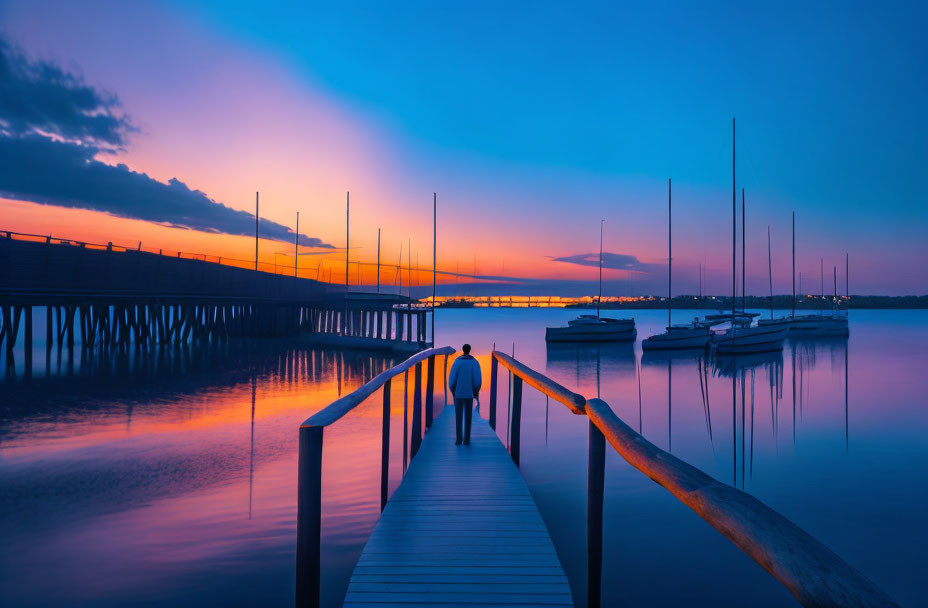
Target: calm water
<point>171,479</point>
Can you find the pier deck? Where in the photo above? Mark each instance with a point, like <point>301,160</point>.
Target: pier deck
<point>461,530</point>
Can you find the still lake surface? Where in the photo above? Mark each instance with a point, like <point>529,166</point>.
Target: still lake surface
<point>170,479</point>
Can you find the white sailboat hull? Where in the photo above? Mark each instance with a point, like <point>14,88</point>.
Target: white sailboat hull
<point>819,325</point>
<point>743,340</point>
<point>605,331</point>
<point>678,338</point>
<point>786,322</point>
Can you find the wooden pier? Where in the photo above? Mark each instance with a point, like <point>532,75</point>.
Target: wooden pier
<point>461,529</point>
<point>112,297</point>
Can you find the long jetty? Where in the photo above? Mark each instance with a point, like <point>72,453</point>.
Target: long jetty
<point>106,296</point>
<point>462,529</point>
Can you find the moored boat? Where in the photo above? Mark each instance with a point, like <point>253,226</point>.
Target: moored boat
<point>590,328</point>
<point>819,325</point>
<point>743,339</point>
<point>678,337</point>
<point>675,337</point>
<point>594,328</point>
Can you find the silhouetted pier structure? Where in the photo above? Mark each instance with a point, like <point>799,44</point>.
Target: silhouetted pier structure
<point>112,297</point>
<point>462,529</point>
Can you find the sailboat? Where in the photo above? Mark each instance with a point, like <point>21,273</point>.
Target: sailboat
<point>741,337</point>
<point>772,321</point>
<point>817,324</point>
<point>594,328</point>
<point>676,337</point>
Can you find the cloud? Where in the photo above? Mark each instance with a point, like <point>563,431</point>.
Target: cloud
<point>614,261</point>
<point>39,97</point>
<point>52,126</point>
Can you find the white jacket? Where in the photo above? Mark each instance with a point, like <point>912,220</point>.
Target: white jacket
<point>465,378</point>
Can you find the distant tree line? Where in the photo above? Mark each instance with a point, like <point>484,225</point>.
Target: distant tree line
<point>723,303</point>
<point>779,302</point>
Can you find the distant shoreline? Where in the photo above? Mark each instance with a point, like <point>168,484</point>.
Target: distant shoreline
<point>780,302</point>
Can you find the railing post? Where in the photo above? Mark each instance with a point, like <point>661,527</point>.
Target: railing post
<point>416,411</point>
<point>309,517</point>
<point>494,369</point>
<point>429,392</point>
<point>515,427</point>
<point>385,445</point>
<point>596,469</point>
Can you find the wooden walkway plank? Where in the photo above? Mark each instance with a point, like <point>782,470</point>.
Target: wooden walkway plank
<point>461,530</point>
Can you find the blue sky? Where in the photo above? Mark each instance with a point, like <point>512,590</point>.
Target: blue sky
<point>829,96</point>
<point>534,121</point>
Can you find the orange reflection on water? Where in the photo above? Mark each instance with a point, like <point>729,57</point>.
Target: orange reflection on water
<point>113,496</point>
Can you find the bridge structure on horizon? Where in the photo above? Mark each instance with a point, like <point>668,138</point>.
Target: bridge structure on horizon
<point>109,297</point>
<point>462,529</point>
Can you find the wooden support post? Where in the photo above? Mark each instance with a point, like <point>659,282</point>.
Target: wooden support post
<point>494,372</point>
<point>416,410</point>
<point>59,324</point>
<point>515,441</point>
<point>596,469</point>
<point>429,392</point>
<point>309,517</point>
<point>49,329</point>
<point>27,340</point>
<point>385,445</point>
<point>69,324</point>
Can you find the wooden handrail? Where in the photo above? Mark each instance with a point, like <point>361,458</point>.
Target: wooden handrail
<point>343,405</point>
<point>309,484</point>
<point>813,573</point>
<point>575,402</point>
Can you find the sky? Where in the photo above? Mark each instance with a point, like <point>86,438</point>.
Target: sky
<point>158,122</point>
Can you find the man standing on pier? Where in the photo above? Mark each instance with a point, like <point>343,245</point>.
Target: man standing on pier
<point>464,383</point>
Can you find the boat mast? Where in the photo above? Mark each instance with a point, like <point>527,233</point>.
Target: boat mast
<point>734,225</point>
<point>743,257</point>
<point>822,271</point>
<point>847,282</point>
<point>600,298</point>
<point>700,281</point>
<point>770,271</point>
<point>794,263</point>
<point>347,218</point>
<point>434,257</point>
<point>669,253</point>
<point>296,247</point>
<point>834,300</point>
<point>256,231</point>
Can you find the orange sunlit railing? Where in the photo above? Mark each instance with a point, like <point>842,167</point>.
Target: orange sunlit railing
<point>326,270</point>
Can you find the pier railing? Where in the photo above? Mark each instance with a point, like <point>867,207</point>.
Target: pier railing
<point>309,491</point>
<point>814,574</point>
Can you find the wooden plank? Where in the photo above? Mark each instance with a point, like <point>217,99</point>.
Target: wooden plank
<point>461,530</point>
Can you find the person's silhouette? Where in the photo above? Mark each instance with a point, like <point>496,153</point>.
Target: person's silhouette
<point>464,382</point>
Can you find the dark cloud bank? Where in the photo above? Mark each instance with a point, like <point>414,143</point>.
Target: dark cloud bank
<point>52,126</point>
<point>613,261</point>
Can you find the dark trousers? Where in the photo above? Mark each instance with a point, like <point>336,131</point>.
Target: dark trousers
<point>463,408</point>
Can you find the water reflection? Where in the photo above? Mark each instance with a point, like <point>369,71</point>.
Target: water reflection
<point>751,379</point>
<point>137,488</point>
<point>590,361</point>
<point>168,476</point>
